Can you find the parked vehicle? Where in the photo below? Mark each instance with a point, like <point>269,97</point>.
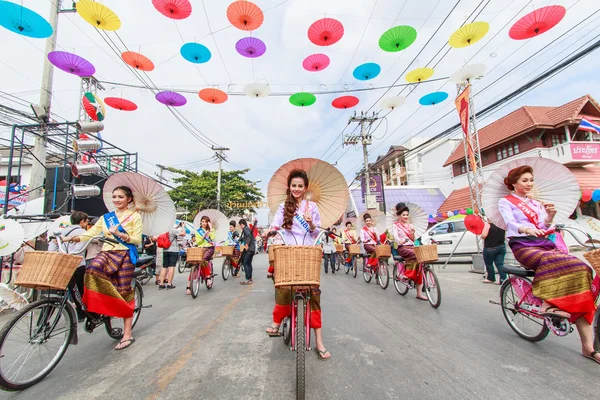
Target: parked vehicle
<point>448,233</point>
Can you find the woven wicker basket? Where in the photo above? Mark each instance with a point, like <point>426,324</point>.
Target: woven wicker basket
<point>227,250</point>
<point>297,265</point>
<point>593,258</point>
<point>383,251</point>
<point>195,255</point>
<point>339,248</point>
<point>426,253</point>
<point>44,269</point>
<point>272,254</point>
<point>354,249</point>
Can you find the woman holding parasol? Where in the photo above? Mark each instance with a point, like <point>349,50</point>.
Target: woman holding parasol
<point>205,237</point>
<point>370,238</point>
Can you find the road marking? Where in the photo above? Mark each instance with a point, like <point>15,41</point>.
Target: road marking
<point>186,353</point>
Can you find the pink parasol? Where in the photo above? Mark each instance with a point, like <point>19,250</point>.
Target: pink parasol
<point>174,9</point>
<point>245,15</point>
<point>251,47</point>
<point>120,103</point>
<point>316,62</point>
<point>326,32</point>
<point>137,61</point>
<point>345,102</point>
<point>71,63</point>
<point>537,22</point>
<point>172,99</point>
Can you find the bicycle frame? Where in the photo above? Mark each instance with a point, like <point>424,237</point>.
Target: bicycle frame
<point>296,295</point>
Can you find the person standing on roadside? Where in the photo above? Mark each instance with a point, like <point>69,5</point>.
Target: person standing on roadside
<point>150,249</point>
<point>494,251</point>
<point>329,253</point>
<point>247,240</point>
<point>170,256</point>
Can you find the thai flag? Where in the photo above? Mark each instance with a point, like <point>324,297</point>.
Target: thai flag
<point>589,126</point>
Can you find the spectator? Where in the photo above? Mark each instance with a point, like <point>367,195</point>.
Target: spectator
<point>170,256</point>
<point>150,249</point>
<point>494,251</point>
<point>329,253</point>
<point>247,240</point>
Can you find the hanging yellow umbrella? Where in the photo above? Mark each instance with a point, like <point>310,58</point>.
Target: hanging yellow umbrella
<point>469,34</point>
<point>419,75</point>
<point>98,15</point>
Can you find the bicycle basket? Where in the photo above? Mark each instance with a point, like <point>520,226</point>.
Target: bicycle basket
<point>297,265</point>
<point>271,254</point>
<point>593,258</point>
<point>354,249</point>
<point>426,253</point>
<point>227,250</point>
<point>47,270</point>
<point>383,251</point>
<point>195,254</point>
<point>339,248</point>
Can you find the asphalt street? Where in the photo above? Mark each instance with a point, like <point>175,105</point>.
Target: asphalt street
<point>383,346</point>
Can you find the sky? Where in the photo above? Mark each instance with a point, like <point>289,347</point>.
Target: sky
<point>264,133</point>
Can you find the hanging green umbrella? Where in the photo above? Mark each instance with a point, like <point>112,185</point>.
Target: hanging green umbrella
<point>397,38</point>
<point>303,99</point>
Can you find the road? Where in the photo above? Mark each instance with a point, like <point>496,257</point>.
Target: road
<point>383,346</point>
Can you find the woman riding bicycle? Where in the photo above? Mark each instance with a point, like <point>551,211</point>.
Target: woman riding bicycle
<point>370,238</point>
<point>562,281</point>
<point>299,218</point>
<point>205,237</point>
<point>349,237</point>
<point>233,239</point>
<point>108,290</point>
<point>404,236</point>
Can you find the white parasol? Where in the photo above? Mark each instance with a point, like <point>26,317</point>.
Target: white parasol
<point>416,216</point>
<point>59,224</point>
<point>468,73</point>
<point>11,236</point>
<point>32,229</point>
<point>10,298</point>
<point>219,221</point>
<point>390,103</point>
<point>554,183</point>
<point>151,201</point>
<point>378,218</point>
<point>257,89</point>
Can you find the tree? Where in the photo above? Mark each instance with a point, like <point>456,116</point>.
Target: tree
<point>198,191</point>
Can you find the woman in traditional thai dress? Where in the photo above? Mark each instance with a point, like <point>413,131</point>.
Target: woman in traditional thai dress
<point>298,220</point>
<point>205,237</point>
<point>404,237</point>
<point>233,239</point>
<point>108,289</point>
<point>349,237</point>
<point>561,281</point>
<point>370,238</point>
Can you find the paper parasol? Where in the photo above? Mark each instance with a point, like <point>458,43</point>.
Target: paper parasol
<point>316,62</point>
<point>137,61</point>
<point>11,298</point>
<point>195,53</point>
<point>416,216</point>
<point>119,103</point>
<point>257,89</point>
<point>22,20</point>
<point>378,218</point>
<point>468,73</point>
<point>250,47</point>
<point>392,102</point>
<point>71,63</point>
<point>174,9</point>
<point>432,99</point>
<point>327,187</point>
<point>59,224</point>
<point>366,71</point>
<point>397,38</point>
<point>325,32</point>
<point>345,102</point>
<point>469,34</point>
<point>419,75</point>
<point>93,106</point>
<point>11,236</point>
<point>213,96</point>
<point>149,198</point>
<point>245,15</point>
<point>219,221</point>
<point>554,183</point>
<point>303,99</point>
<point>98,15</point>
<point>32,229</point>
<point>172,99</point>
<point>537,22</point>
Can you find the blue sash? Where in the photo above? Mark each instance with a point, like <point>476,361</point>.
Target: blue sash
<point>233,241</point>
<point>202,232</point>
<point>302,222</point>
<point>110,220</point>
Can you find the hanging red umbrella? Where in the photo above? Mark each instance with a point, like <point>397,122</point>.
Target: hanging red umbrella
<point>137,61</point>
<point>213,96</point>
<point>316,62</point>
<point>174,9</point>
<point>537,22</point>
<point>345,102</point>
<point>120,103</point>
<point>326,32</point>
<point>245,15</point>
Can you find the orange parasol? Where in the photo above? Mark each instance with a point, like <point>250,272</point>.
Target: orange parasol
<point>213,96</point>
<point>245,15</point>
<point>137,61</point>
<point>327,187</point>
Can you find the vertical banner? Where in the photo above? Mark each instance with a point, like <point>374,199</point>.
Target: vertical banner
<point>375,187</point>
<point>462,106</point>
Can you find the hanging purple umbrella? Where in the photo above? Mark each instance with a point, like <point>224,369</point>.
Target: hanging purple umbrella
<point>251,47</point>
<point>71,63</point>
<point>172,99</point>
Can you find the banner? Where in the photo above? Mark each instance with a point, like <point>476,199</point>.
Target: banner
<point>375,187</point>
<point>462,106</point>
<point>15,200</point>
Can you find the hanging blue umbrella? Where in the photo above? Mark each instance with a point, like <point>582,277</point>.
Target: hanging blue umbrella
<point>195,53</point>
<point>366,71</point>
<point>432,99</point>
<point>22,20</point>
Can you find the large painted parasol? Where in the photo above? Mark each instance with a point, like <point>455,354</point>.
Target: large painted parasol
<point>251,47</point>
<point>537,22</point>
<point>23,21</point>
<point>325,32</point>
<point>71,63</point>
<point>174,9</point>
<point>93,106</point>
<point>245,15</point>
<point>419,75</point>
<point>32,228</point>
<point>469,34</point>
<point>327,187</point>
<point>172,99</point>
<point>98,15</point>
<point>378,217</point>
<point>345,102</point>
<point>137,61</point>
<point>11,236</point>
<point>120,103</point>
<point>149,198</point>
<point>416,216</point>
<point>303,99</point>
<point>554,183</point>
<point>366,71</point>
<point>213,96</point>
<point>219,221</point>
<point>397,38</point>
<point>316,62</point>
<point>195,53</point>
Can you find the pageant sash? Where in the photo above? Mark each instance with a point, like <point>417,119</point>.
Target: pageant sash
<point>233,241</point>
<point>111,220</point>
<point>302,222</point>
<point>406,230</point>
<point>371,234</point>
<point>202,233</point>
<point>531,215</point>
<point>350,236</point>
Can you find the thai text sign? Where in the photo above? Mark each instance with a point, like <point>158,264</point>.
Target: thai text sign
<point>585,151</point>
<point>246,204</point>
<point>375,187</point>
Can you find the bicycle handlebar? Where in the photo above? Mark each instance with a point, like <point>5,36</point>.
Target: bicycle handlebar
<point>99,238</point>
<point>563,227</point>
<point>321,233</point>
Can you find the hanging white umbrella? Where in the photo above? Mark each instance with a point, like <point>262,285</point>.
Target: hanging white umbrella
<point>554,183</point>
<point>150,200</point>
<point>59,224</point>
<point>416,216</point>
<point>468,73</point>
<point>33,228</point>
<point>219,221</point>
<point>392,102</point>
<point>11,236</point>
<point>10,298</point>
<point>257,89</point>
<point>378,219</point>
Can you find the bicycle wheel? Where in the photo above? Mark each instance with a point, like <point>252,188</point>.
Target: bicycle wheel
<point>431,285</point>
<point>286,329</point>
<point>384,275</point>
<point>399,281</point>
<point>300,349</point>
<point>145,277</point>
<point>114,326</point>
<point>226,268</point>
<point>367,274</point>
<point>180,264</point>
<point>354,266</point>
<point>529,327</point>
<point>338,262</point>
<point>33,342</point>
<point>195,280</point>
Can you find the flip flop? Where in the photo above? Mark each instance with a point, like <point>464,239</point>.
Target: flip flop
<point>488,281</point>
<point>591,356</point>
<point>128,341</point>
<point>422,298</point>
<point>274,334</point>
<point>320,354</point>
<point>555,312</point>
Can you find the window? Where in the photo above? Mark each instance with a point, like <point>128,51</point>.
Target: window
<point>440,229</point>
<point>463,168</point>
<point>558,139</point>
<point>516,147</point>
<point>506,151</point>
<point>510,151</point>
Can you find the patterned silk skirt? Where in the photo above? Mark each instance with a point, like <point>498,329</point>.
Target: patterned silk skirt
<point>560,279</point>
<point>411,266</point>
<point>283,306</point>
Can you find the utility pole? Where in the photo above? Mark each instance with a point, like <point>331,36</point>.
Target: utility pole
<point>365,139</point>
<point>219,153</point>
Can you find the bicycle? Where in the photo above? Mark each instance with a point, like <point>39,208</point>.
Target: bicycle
<point>230,265</point>
<point>147,266</point>
<point>431,284</point>
<point>380,271</point>
<point>45,328</point>
<point>353,255</point>
<point>181,261</point>
<point>521,308</point>
<point>197,276</point>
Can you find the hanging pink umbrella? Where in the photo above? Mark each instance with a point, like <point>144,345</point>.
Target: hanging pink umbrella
<point>316,62</point>
<point>325,31</point>
<point>251,47</point>
<point>172,99</point>
<point>121,104</point>
<point>174,9</point>
<point>71,63</point>
<point>537,22</point>
<point>345,102</point>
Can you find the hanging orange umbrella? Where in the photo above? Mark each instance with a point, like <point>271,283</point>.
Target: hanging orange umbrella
<point>213,96</point>
<point>98,15</point>
<point>326,187</point>
<point>469,34</point>
<point>245,15</point>
<point>419,75</point>
<point>137,61</point>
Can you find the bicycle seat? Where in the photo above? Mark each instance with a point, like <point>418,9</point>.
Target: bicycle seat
<point>143,259</point>
<point>398,259</point>
<point>137,272</point>
<point>517,271</point>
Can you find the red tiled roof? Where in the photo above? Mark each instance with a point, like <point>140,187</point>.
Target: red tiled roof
<point>588,177</point>
<point>522,120</point>
<point>458,199</point>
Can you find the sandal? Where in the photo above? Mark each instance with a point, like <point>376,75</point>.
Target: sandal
<point>422,298</point>
<point>321,354</point>
<point>273,331</point>
<point>188,291</point>
<point>555,312</point>
<point>592,356</point>
<point>128,341</point>
<point>488,281</point>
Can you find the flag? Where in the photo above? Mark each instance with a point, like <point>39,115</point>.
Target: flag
<point>586,125</point>
<point>462,106</point>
